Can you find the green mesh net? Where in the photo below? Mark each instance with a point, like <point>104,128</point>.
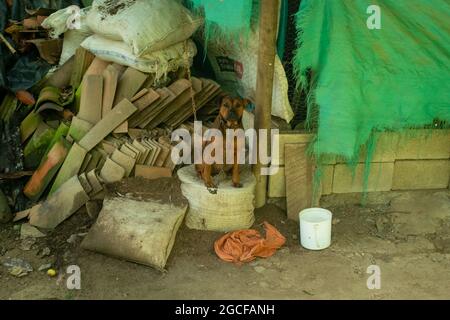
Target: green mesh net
<point>362,80</point>
<point>231,19</point>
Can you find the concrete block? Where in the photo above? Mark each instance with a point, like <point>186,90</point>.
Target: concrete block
<point>105,126</point>
<point>289,138</point>
<point>424,144</point>
<point>277,184</point>
<point>380,178</point>
<point>386,147</point>
<point>327,179</point>
<point>421,174</point>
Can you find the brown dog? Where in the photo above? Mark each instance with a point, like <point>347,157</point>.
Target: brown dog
<point>230,117</point>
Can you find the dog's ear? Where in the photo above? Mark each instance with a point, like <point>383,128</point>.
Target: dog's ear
<point>219,98</point>
<point>246,102</point>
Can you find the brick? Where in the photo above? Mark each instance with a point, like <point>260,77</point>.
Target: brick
<point>86,161</point>
<point>380,178</point>
<point>128,151</point>
<point>146,100</point>
<point>60,205</point>
<point>83,60</point>
<point>148,172</point>
<point>94,182</point>
<point>154,153</point>
<point>71,166</point>
<point>85,183</point>
<point>424,144</point>
<point>129,84</point>
<point>96,67</point>
<point>112,172</point>
<point>96,156</point>
<point>46,171</point>
<point>165,153</point>
<point>421,174</point>
<point>29,125</point>
<point>37,146</point>
<point>61,132</point>
<point>91,98</point>
<point>79,128</point>
<point>105,126</point>
<point>143,150</point>
<point>110,79</point>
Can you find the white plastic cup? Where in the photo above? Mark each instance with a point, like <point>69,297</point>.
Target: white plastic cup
<point>315,228</point>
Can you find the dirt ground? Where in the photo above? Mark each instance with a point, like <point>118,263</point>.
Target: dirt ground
<point>406,234</point>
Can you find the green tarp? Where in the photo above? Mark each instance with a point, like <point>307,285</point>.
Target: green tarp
<point>362,80</point>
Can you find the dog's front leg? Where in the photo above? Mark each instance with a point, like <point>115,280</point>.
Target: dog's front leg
<point>236,177</point>
<point>207,177</point>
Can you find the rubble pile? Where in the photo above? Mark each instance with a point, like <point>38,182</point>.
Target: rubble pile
<point>93,121</point>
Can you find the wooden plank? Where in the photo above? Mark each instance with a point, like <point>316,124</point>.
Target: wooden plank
<point>299,179</point>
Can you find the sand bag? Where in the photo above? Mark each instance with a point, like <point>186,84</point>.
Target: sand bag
<point>228,209</point>
<point>145,26</point>
<point>142,226</point>
<point>159,62</point>
<point>236,70</point>
<point>72,22</point>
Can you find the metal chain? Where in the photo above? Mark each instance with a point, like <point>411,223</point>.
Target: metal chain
<point>191,88</point>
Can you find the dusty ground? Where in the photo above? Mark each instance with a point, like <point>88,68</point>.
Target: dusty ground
<point>406,234</point>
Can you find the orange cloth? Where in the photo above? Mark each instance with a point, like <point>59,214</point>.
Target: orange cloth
<point>245,245</point>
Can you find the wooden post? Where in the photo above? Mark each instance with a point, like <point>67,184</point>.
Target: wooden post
<point>268,23</point>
